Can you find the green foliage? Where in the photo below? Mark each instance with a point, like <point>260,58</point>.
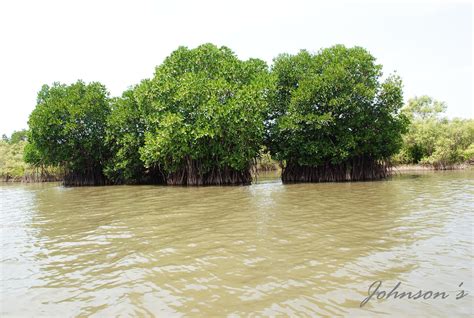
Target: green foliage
<point>468,153</point>
<point>12,165</point>
<point>432,139</point>
<point>207,107</point>
<point>265,161</point>
<point>437,141</point>
<point>205,117</point>
<point>424,108</point>
<point>125,136</point>
<point>332,107</point>
<point>18,136</point>
<point>67,127</point>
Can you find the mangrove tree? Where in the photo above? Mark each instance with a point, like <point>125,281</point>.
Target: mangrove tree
<point>206,125</point>
<point>332,118</point>
<point>67,129</point>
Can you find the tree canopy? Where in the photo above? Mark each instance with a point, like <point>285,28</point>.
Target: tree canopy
<point>206,115</point>
<point>206,123</point>
<point>125,136</point>
<point>67,128</point>
<point>432,138</point>
<point>424,107</point>
<point>332,118</point>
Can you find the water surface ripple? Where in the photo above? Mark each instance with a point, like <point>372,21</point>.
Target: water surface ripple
<point>263,250</point>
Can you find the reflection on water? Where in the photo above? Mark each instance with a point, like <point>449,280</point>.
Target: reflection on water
<point>265,249</point>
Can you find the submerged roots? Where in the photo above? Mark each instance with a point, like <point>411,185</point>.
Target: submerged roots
<point>89,177</point>
<point>357,169</point>
<point>192,174</point>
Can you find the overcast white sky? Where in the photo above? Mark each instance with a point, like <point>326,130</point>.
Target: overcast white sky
<point>119,43</point>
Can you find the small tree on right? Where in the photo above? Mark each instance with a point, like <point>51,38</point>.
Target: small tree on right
<point>332,118</point>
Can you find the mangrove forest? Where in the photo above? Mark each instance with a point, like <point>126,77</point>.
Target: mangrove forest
<point>207,117</point>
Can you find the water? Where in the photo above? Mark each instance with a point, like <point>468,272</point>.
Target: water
<point>265,249</point>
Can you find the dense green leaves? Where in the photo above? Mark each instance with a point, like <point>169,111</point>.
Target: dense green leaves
<point>208,108</point>
<point>67,128</point>
<point>424,108</point>
<point>11,164</point>
<point>434,140</point>
<point>14,167</point>
<point>331,107</point>
<point>206,115</point>
<point>125,136</point>
<point>16,136</point>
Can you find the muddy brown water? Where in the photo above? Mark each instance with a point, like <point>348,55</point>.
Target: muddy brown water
<point>262,250</point>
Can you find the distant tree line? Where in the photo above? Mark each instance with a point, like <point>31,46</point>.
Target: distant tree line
<point>205,116</point>
<point>432,139</point>
<point>16,136</point>
<point>13,166</point>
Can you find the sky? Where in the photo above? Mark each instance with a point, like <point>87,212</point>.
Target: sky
<point>119,43</point>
